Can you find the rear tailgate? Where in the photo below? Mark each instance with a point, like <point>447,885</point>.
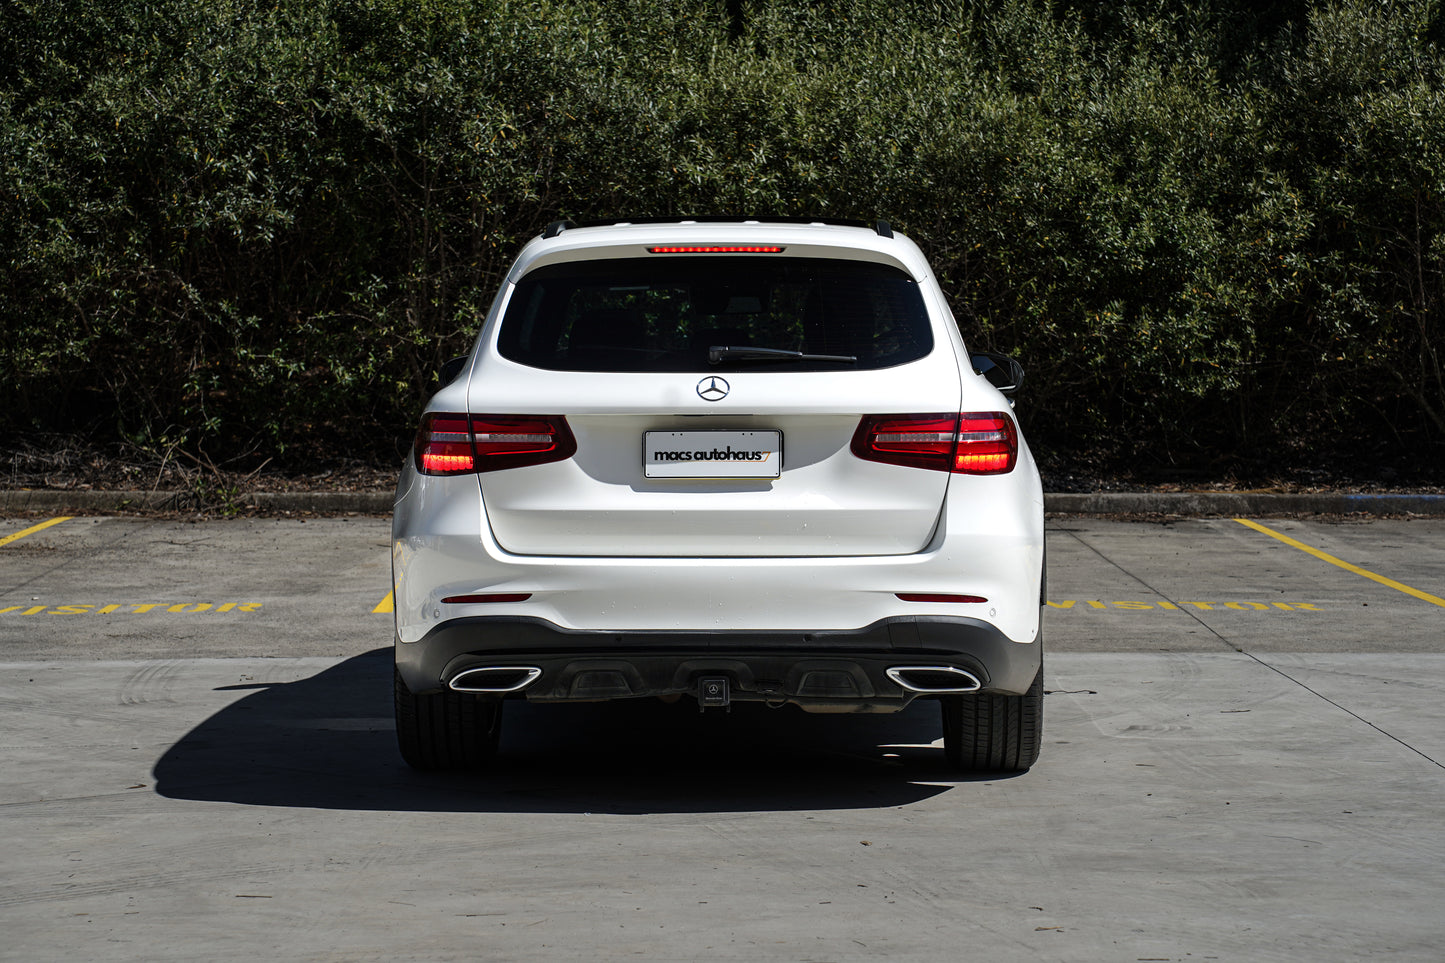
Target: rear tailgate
<point>820,500</point>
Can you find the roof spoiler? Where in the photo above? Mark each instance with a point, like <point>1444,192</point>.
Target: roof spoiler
<point>881,228</point>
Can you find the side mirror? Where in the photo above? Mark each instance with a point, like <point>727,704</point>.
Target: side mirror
<point>1003,372</point>
<point>451,369</point>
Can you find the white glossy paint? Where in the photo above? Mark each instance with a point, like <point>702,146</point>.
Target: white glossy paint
<point>826,545</point>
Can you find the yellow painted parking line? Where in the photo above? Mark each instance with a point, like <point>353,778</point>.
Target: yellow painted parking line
<point>385,605</point>
<point>33,529</point>
<point>1326,557</point>
<point>127,608</point>
<point>1183,605</point>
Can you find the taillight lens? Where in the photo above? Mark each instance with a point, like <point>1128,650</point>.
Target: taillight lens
<point>919,441</point>
<point>444,445</point>
<point>988,443</point>
<point>971,443</point>
<point>450,444</point>
<point>514,441</point>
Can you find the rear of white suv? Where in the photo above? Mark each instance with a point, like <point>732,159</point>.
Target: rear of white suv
<point>730,459</point>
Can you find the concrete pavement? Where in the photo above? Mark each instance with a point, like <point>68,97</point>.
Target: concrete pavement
<point>1242,760</point>
<point>1187,806</point>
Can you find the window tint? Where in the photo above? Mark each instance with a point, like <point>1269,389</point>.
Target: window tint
<point>663,313</point>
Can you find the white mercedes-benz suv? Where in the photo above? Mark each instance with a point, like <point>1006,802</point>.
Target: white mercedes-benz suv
<point>724,458</point>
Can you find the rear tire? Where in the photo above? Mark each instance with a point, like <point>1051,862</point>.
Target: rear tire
<point>994,733</point>
<point>446,730</point>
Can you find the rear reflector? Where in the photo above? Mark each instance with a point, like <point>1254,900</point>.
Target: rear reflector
<point>716,249</point>
<point>455,444</point>
<point>971,443</point>
<point>933,597</point>
<point>473,599</point>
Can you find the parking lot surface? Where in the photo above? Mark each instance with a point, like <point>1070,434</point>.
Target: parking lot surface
<point>1242,760</point>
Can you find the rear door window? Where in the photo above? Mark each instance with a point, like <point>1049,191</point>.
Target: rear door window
<point>665,313</point>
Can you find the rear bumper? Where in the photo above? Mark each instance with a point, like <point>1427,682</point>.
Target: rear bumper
<point>844,669</point>
<point>988,544</point>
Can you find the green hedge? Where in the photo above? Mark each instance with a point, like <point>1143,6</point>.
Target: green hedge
<point>1214,233</point>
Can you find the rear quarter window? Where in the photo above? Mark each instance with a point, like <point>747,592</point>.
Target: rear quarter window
<point>664,313</point>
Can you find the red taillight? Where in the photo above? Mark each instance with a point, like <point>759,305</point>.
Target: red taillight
<point>444,445</point>
<point>449,444</point>
<point>514,441</point>
<point>716,249</point>
<point>988,443</point>
<point>918,441</point>
<point>972,443</point>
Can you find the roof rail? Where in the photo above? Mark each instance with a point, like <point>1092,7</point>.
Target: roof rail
<point>881,228</point>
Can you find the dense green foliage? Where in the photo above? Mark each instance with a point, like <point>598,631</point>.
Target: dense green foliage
<point>1213,232</point>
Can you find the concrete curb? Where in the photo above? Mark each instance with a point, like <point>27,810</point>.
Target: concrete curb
<point>365,503</point>
<point>1242,503</point>
<point>1087,503</point>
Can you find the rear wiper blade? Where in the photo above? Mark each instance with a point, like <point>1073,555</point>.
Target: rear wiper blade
<point>721,352</point>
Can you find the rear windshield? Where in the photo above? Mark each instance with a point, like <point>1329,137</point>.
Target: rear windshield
<point>665,313</point>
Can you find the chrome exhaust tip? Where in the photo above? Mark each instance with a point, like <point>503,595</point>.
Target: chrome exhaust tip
<point>495,679</point>
<point>934,679</point>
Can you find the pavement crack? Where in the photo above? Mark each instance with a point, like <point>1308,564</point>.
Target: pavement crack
<point>1350,712</point>
<point>1259,661</point>
<point>1189,612</point>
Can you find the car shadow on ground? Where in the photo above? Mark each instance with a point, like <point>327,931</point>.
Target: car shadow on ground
<point>327,742</point>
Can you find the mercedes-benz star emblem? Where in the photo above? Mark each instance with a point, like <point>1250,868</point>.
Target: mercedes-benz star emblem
<point>712,389</point>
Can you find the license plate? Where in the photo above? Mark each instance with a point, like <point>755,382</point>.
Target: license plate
<point>712,454</point>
